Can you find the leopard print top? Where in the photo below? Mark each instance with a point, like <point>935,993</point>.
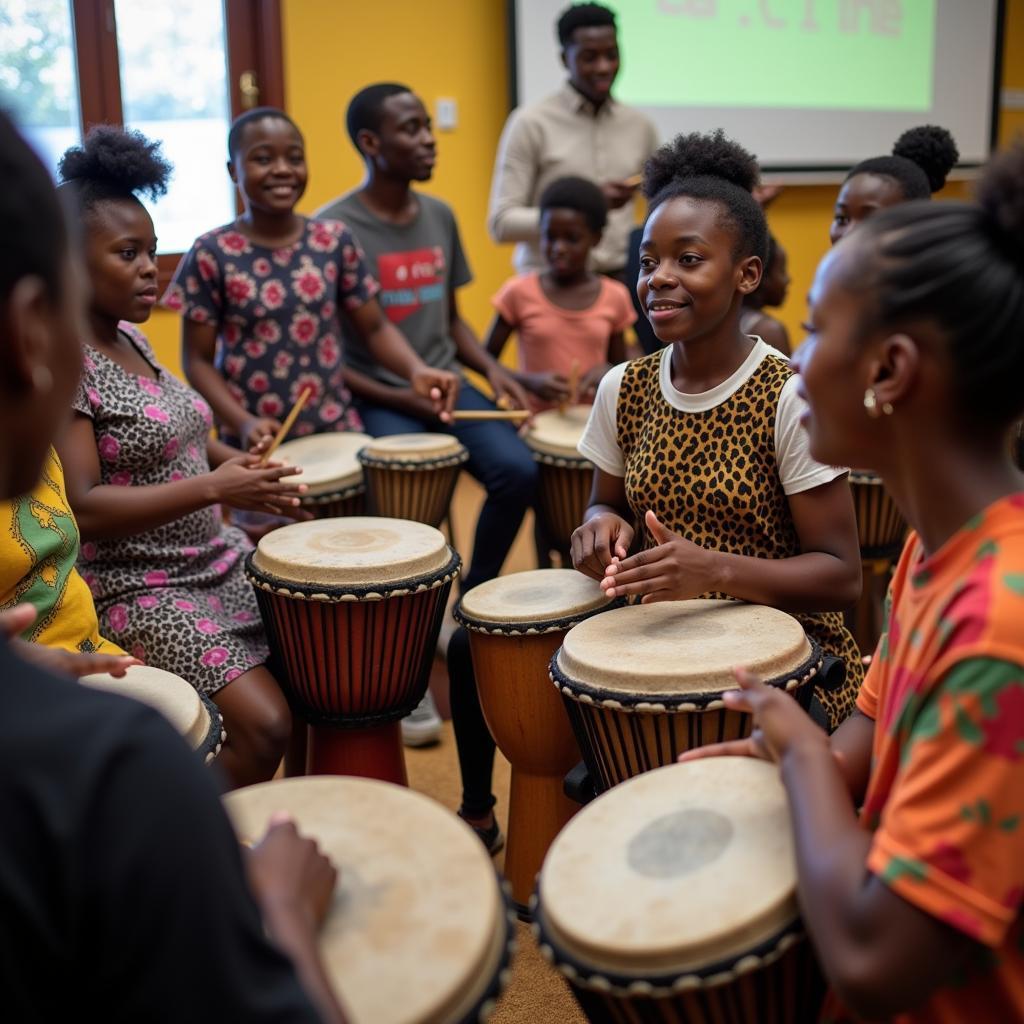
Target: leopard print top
<point>713,478</point>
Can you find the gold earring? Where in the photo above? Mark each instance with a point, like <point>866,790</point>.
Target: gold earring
<point>871,403</point>
<point>42,379</point>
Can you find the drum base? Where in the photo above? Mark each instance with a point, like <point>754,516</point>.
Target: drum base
<point>537,811</point>
<point>372,753</point>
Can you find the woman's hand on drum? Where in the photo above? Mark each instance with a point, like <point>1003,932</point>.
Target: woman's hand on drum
<point>547,386</point>
<point>506,387</point>
<point>258,431</point>
<point>243,483</point>
<point>600,542</point>
<point>439,387</point>
<point>675,570</point>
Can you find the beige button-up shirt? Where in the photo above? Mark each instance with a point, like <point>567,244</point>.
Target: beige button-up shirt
<point>559,136</point>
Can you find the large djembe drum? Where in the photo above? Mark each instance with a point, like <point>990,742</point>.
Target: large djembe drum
<point>643,684</point>
<point>192,714</point>
<point>565,476</point>
<point>412,476</point>
<point>330,470</point>
<point>516,623</point>
<point>671,899</point>
<point>352,609</point>
<point>418,931</point>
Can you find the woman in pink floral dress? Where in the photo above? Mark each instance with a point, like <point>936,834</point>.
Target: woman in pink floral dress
<point>165,571</point>
<point>262,297</point>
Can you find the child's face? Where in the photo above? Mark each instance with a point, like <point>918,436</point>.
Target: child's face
<point>566,239</point>
<point>270,166</point>
<point>689,282</point>
<point>120,255</point>
<point>859,198</point>
<point>776,282</point>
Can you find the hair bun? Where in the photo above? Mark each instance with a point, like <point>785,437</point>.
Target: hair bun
<point>118,160</point>
<point>699,155</point>
<point>933,150</point>
<point>1000,194</point>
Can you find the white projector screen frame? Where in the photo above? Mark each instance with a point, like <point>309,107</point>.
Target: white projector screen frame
<point>804,142</point>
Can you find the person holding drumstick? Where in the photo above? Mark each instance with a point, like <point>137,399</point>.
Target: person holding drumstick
<point>700,444</point>
<point>912,368</point>
<point>119,870</point>
<point>146,481</point>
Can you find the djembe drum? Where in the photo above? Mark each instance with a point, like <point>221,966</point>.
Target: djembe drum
<point>330,470</point>
<point>192,714</point>
<point>565,476</point>
<point>643,684</point>
<point>352,609</point>
<point>516,623</point>
<point>412,476</point>
<point>881,531</point>
<point>671,899</point>
<point>421,937</point>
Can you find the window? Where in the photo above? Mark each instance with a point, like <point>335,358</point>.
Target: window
<point>179,72</point>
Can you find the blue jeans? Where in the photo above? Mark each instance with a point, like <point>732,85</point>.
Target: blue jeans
<point>498,459</point>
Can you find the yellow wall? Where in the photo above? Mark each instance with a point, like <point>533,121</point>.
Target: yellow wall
<point>458,49</point>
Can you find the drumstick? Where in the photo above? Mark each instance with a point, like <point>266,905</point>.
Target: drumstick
<point>574,386</point>
<point>491,414</point>
<point>287,425</point>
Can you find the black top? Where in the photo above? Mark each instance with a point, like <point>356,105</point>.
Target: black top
<point>122,896</point>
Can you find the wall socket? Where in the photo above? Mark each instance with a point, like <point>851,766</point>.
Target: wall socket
<point>447,115</point>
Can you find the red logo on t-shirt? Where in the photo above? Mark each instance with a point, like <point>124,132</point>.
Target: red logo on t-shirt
<point>410,280</point>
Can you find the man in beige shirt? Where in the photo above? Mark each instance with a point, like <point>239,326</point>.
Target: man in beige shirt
<point>580,130</point>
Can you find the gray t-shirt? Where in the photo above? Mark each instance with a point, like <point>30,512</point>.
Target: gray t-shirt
<point>417,265</point>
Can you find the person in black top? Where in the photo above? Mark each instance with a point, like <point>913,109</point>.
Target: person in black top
<point>123,893</point>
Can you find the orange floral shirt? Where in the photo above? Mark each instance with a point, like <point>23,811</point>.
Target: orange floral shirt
<point>946,797</point>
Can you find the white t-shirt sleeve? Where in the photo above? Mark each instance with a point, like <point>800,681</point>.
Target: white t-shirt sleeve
<point>600,441</point>
<point>798,471</point>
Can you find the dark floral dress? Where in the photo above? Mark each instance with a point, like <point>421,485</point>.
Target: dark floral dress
<point>174,596</point>
<point>276,312</point>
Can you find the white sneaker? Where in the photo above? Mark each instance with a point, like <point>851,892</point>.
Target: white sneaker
<point>422,725</point>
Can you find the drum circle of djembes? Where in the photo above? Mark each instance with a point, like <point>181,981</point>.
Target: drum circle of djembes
<point>352,609</point>
<point>644,683</point>
<point>516,623</point>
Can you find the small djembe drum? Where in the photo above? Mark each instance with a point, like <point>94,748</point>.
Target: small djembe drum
<point>643,684</point>
<point>192,714</point>
<point>412,476</point>
<point>516,623</point>
<point>419,931</point>
<point>330,470</point>
<point>352,609</point>
<point>671,899</point>
<point>565,476</point>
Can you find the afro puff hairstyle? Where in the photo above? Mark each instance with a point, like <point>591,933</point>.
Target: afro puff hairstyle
<point>579,194</point>
<point>920,161</point>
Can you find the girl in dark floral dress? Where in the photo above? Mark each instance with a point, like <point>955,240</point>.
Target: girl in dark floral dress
<point>261,299</point>
<point>165,571</point>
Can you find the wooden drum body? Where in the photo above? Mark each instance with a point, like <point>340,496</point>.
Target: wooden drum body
<point>565,476</point>
<point>352,609</point>
<point>330,470</point>
<point>412,476</point>
<point>418,931</point>
<point>192,714</point>
<point>672,900</point>
<point>643,684</point>
<point>516,623</point>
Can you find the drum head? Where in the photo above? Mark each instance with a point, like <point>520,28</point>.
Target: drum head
<point>355,551</point>
<point>167,693</point>
<point>411,935</point>
<point>328,461</point>
<point>681,647</point>
<point>413,447</point>
<point>557,433</point>
<point>677,869</point>
<point>538,597</point>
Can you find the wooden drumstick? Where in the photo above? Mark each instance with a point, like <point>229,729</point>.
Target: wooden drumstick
<point>287,425</point>
<point>574,387</point>
<point>491,414</point>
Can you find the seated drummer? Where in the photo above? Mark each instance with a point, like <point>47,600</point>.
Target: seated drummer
<point>123,895</point>
<point>412,246</point>
<point>700,444</point>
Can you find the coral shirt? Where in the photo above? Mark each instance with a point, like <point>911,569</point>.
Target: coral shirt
<point>946,797</point>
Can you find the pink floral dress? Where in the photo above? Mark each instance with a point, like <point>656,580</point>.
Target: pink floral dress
<point>276,312</point>
<point>175,596</point>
